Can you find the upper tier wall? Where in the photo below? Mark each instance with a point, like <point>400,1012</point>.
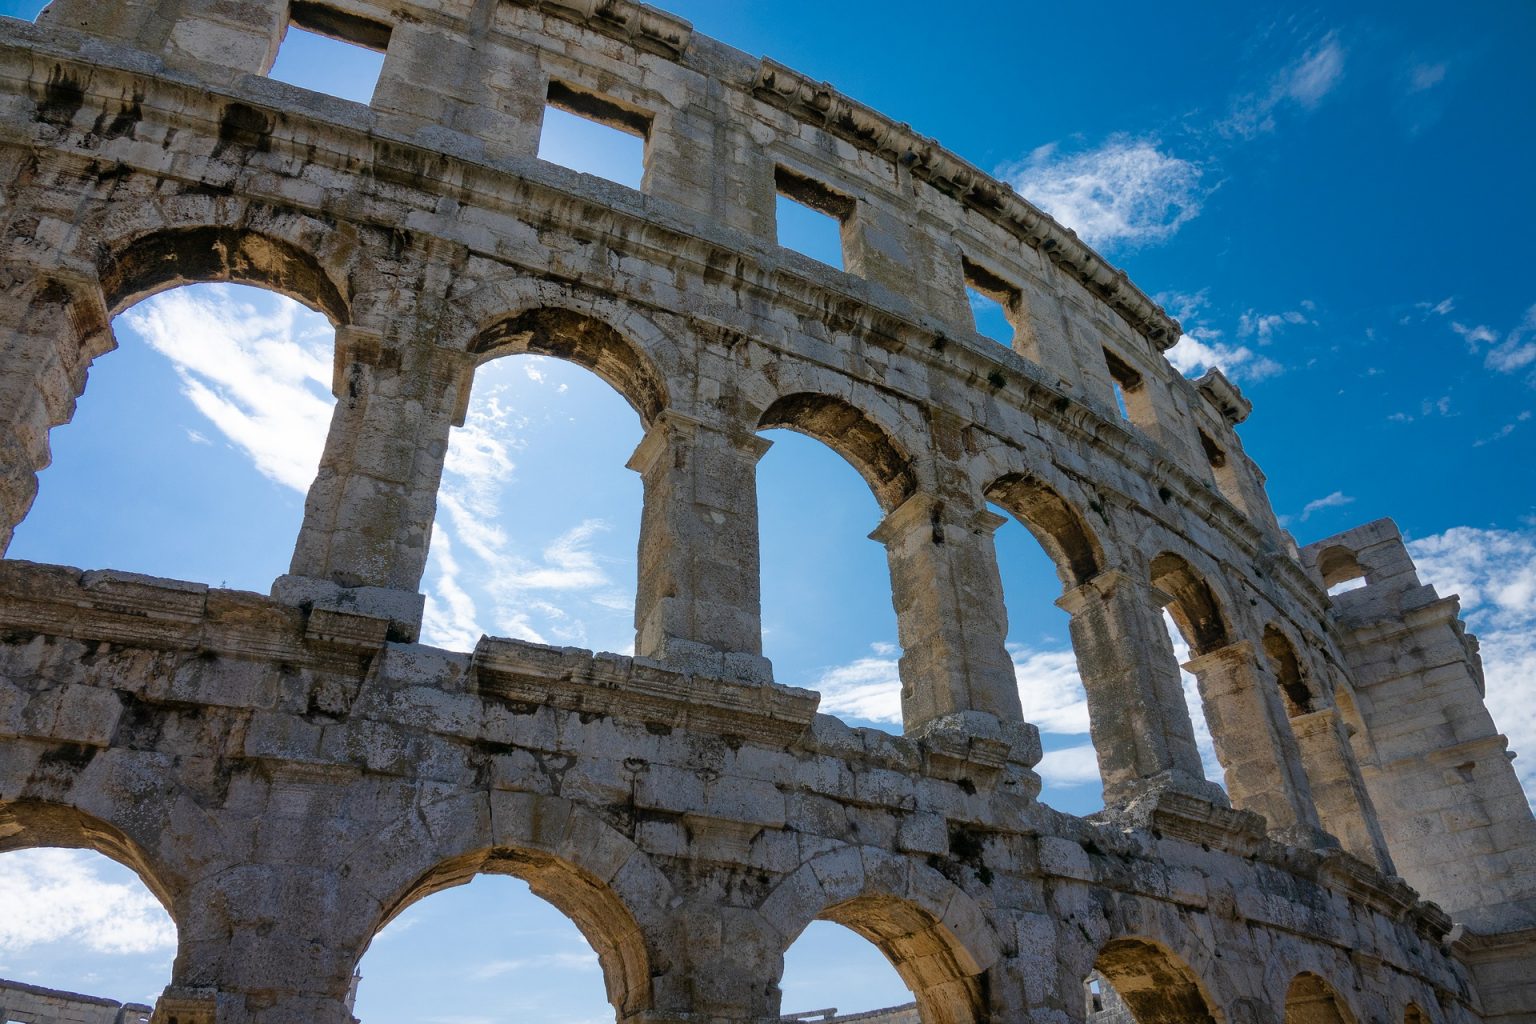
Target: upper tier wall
<point>474,80</point>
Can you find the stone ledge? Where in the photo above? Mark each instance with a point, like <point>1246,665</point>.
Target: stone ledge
<point>610,684</point>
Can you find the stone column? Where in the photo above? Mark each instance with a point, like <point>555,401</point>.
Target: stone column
<point>1140,726</point>
<point>1242,708</point>
<point>368,516</point>
<point>950,617</point>
<point>51,327</point>
<point>1338,789</point>
<point>698,602</point>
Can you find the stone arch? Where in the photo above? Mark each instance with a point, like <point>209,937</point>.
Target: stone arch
<point>1155,983</point>
<point>1055,522</point>
<point>1193,605</point>
<point>1312,1000</point>
<point>581,337</point>
<point>863,441</point>
<point>1337,565</point>
<point>133,270</point>
<point>1296,689</point>
<point>933,933</point>
<point>569,857</point>
<point>31,824</point>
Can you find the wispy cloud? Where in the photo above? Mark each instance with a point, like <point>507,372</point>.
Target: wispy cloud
<point>260,374</point>
<point>1425,76</point>
<point>1203,347</point>
<point>1302,85</point>
<point>1338,499</point>
<point>1265,326</point>
<point>1124,193</point>
<point>573,961</point>
<point>63,896</point>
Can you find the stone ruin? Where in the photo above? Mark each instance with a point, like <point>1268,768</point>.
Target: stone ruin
<point>288,772</point>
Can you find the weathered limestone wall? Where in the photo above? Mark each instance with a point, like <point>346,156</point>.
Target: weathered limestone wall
<point>21,1003</point>
<point>286,773</point>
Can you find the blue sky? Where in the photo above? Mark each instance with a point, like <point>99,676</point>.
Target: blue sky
<point>1334,200</point>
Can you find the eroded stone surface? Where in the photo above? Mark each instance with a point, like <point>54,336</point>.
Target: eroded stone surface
<point>288,772</point>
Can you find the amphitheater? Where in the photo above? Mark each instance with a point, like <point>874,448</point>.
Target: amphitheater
<point>288,772</point>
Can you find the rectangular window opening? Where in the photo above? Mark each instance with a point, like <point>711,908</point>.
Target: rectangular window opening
<point>1127,384</point>
<point>995,304</point>
<point>329,51</point>
<point>1213,452</point>
<point>811,217</point>
<point>595,135</point>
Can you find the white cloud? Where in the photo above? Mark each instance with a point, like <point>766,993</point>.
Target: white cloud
<point>1303,84</point>
<point>1425,76</point>
<point>1202,349</point>
<point>1051,690</point>
<point>450,619</point>
<point>1265,326</point>
<point>1507,353</point>
<point>869,688</point>
<point>65,896</point>
<point>1494,573</point>
<point>1338,499</point>
<point>1126,191</point>
<point>1070,766</point>
<point>263,379</point>
<point>569,563</point>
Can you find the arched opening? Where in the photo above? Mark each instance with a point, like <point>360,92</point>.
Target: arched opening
<point>939,975</point>
<point>832,971</point>
<point>531,934</point>
<point>1044,548</point>
<point>1142,981</point>
<point>1413,1015</point>
<point>193,448</point>
<point>828,618</point>
<point>1311,1000</point>
<point>538,519</point>
<point>83,914</point>
<point>1195,627</point>
<point>510,955</point>
<point>1341,570</point>
<point>1294,690</point>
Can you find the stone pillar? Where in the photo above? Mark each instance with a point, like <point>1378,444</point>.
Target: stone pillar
<point>1139,723</point>
<point>1338,790</point>
<point>698,604</point>
<point>950,617</point>
<point>1260,759</point>
<point>368,517</point>
<point>1433,761</point>
<point>51,327</point>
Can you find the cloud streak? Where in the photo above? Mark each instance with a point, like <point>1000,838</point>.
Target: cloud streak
<point>1126,192</point>
<point>1302,85</point>
<point>259,373</point>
